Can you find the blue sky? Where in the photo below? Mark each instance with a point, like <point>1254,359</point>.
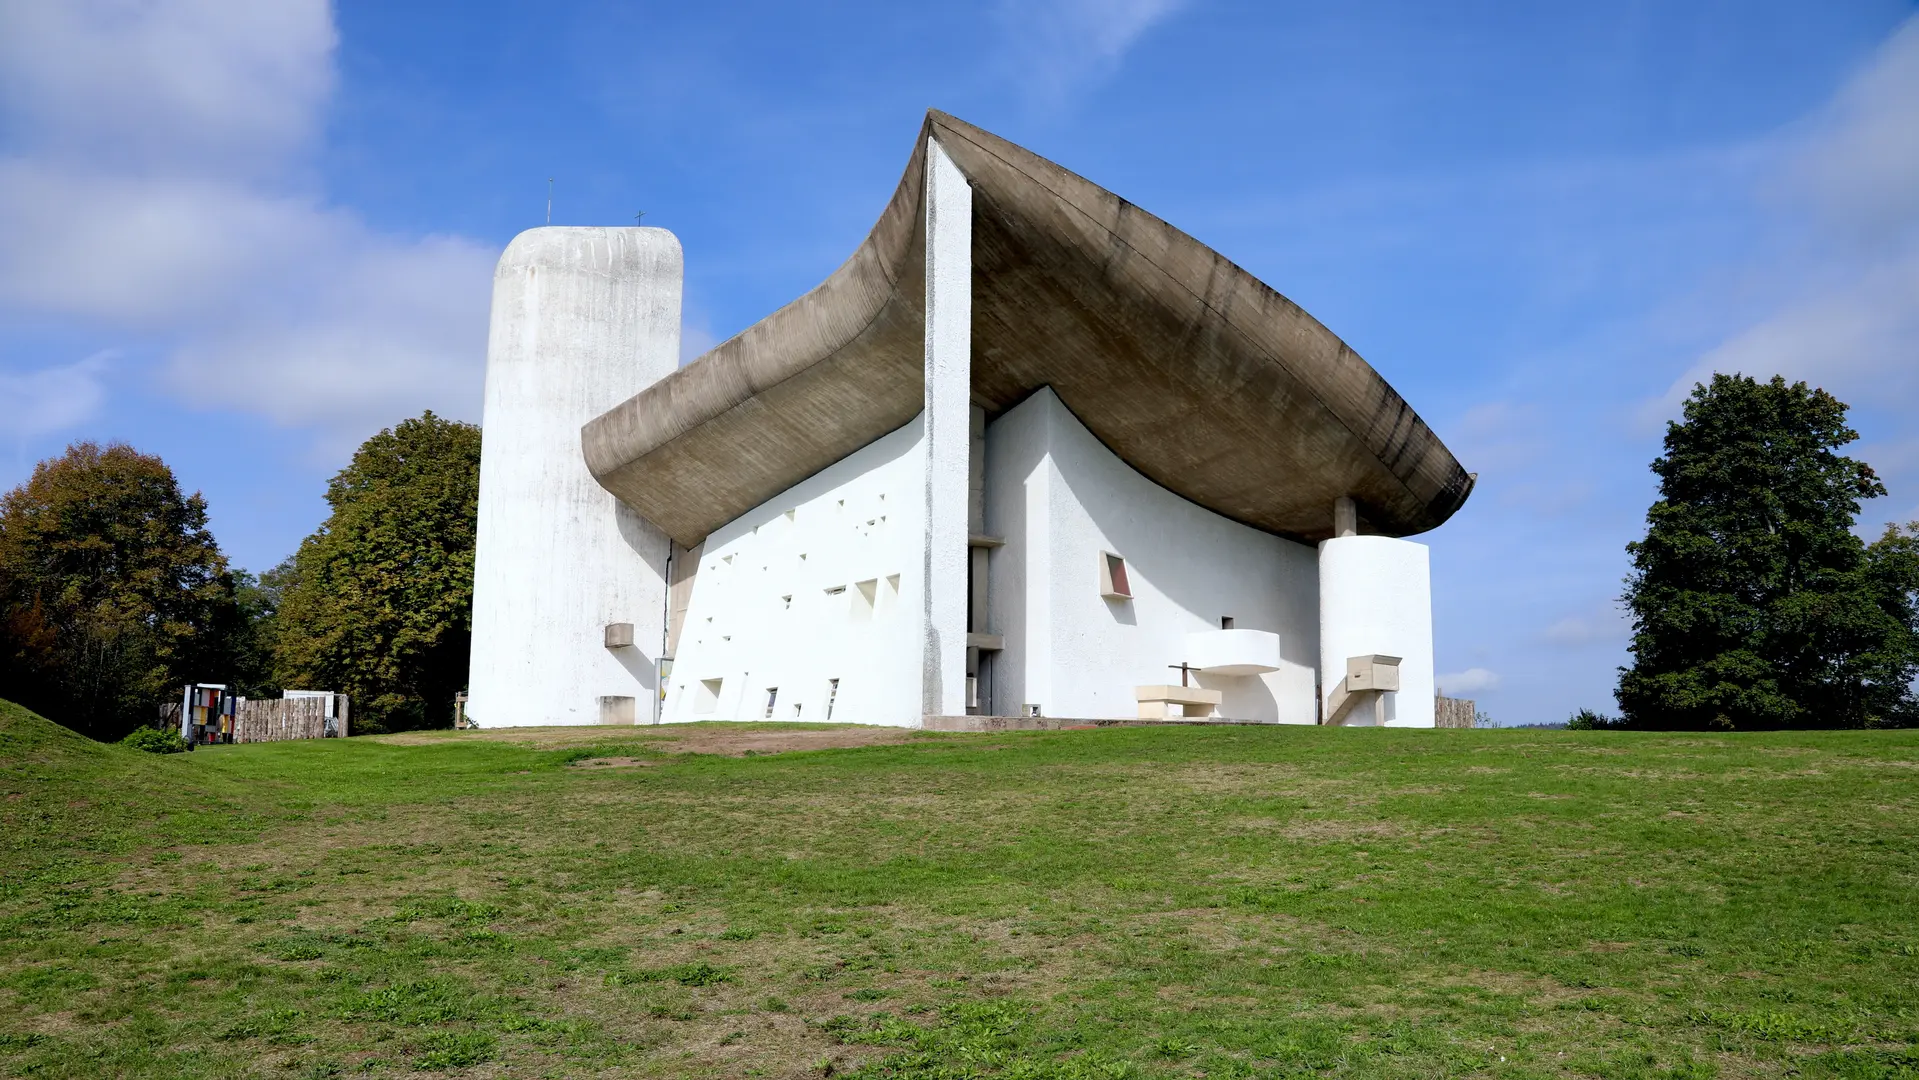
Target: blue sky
<point>246,236</point>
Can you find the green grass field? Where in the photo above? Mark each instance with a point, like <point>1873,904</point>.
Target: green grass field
<point>1220,902</point>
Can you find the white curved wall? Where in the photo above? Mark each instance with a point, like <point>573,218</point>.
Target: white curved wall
<point>823,581</point>
<point>1375,596</point>
<point>583,318</point>
<point>1060,498</point>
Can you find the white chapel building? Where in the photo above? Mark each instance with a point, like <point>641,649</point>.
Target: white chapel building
<point>1031,453</point>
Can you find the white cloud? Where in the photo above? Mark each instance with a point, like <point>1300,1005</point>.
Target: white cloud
<point>53,399</point>
<point>154,83</point>
<point>156,187</point>
<point>1860,163</point>
<point>1470,681</point>
<point>1056,47</point>
<point>1844,273</point>
<point>1604,625</point>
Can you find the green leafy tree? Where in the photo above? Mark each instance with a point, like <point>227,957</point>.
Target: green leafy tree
<point>378,603</point>
<point>258,597</point>
<point>1753,603</point>
<point>112,591</point>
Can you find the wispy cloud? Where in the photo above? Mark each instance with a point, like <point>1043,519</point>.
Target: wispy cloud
<point>1843,197</point>
<point>1055,48</point>
<point>53,399</point>
<point>156,184</point>
<point>1477,680</point>
<point>1605,624</point>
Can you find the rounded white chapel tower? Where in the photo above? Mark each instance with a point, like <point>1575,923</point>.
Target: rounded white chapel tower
<point>564,573</point>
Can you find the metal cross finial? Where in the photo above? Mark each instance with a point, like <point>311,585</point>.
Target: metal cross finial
<point>1184,668</point>
<point>637,218</point>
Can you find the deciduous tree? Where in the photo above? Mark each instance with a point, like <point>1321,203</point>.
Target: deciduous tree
<point>1753,603</point>
<point>112,591</point>
<point>378,603</point>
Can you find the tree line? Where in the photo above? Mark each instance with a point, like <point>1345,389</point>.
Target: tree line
<point>114,593</point>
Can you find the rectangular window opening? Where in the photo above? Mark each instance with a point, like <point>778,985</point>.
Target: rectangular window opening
<point>772,696</point>
<point>1113,583</point>
<point>1225,622</point>
<point>832,695</point>
<point>709,695</point>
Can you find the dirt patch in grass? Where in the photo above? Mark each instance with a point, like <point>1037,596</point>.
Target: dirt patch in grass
<point>729,740</point>
<point>714,740</point>
<point>613,763</point>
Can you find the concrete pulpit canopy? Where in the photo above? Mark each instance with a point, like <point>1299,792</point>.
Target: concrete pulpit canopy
<point>1191,370</point>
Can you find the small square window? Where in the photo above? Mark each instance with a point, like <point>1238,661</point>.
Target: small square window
<point>1113,583</point>
<point>1225,622</point>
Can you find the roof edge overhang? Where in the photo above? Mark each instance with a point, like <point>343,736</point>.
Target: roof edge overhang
<point>1190,369</point>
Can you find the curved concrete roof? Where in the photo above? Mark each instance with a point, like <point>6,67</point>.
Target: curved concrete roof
<point>1190,369</point>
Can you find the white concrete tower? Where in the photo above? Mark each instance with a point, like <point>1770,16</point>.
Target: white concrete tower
<point>1376,598</point>
<point>583,318</point>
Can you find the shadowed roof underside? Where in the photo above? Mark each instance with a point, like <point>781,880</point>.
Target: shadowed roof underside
<point>1190,369</point>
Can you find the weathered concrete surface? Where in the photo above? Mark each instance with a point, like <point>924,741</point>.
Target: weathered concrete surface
<point>582,319</point>
<point>1193,371</point>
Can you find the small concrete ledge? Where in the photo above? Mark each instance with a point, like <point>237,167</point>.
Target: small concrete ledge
<point>1360,698</point>
<point>1176,702</point>
<point>1233,652</point>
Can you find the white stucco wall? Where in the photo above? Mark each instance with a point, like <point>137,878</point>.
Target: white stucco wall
<point>1376,596</point>
<point>1060,498</point>
<point>856,527</point>
<point>583,318</point>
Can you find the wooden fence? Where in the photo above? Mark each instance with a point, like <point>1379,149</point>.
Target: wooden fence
<point>275,719</point>
<point>1454,712</point>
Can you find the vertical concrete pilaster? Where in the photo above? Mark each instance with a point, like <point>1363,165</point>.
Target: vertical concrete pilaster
<point>948,418</point>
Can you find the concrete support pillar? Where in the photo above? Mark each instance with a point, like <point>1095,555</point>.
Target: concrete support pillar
<point>1345,517</point>
<point>583,318</point>
<point>949,436</point>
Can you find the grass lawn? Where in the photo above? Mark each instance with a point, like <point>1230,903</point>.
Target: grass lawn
<point>1220,902</point>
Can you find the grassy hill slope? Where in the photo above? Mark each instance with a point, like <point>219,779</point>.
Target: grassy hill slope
<point>1132,902</point>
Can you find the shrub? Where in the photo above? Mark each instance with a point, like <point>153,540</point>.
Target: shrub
<point>1588,720</point>
<point>154,741</point>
